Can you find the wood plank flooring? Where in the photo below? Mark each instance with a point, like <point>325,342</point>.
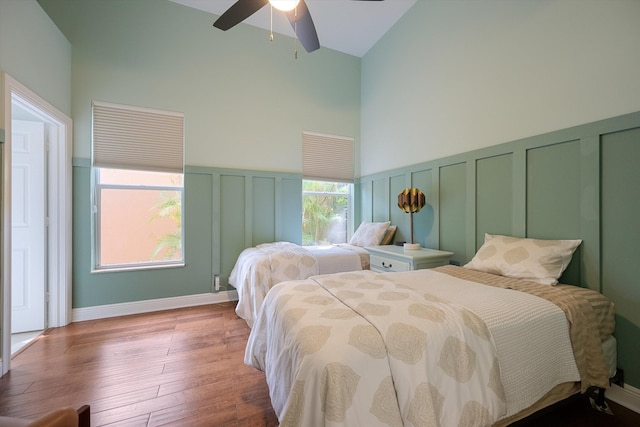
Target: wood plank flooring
<point>179,367</point>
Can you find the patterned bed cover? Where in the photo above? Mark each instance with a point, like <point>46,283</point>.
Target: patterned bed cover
<point>259,268</point>
<point>423,347</point>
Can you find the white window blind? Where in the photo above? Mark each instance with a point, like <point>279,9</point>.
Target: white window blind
<point>126,137</point>
<point>327,157</point>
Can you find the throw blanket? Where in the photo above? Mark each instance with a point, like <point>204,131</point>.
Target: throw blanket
<point>259,268</point>
<point>590,314</point>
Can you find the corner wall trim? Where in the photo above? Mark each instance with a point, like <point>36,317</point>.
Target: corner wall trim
<point>627,396</point>
<point>137,307</point>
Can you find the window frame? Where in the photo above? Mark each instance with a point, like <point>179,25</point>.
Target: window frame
<point>137,139</point>
<point>350,207</point>
<point>97,267</point>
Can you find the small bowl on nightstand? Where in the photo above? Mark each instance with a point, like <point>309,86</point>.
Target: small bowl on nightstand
<point>411,246</point>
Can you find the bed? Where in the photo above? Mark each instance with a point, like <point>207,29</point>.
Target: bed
<point>447,346</point>
<point>259,268</point>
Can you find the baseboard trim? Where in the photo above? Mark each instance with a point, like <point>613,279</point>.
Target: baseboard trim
<point>627,396</point>
<point>137,307</point>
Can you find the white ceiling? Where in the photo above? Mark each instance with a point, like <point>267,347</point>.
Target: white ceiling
<point>348,26</point>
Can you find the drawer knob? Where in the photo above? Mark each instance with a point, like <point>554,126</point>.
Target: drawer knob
<point>386,266</point>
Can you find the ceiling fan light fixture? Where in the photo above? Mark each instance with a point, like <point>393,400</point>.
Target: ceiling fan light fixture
<point>284,5</point>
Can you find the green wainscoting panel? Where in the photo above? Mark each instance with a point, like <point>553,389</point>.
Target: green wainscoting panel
<point>225,212</point>
<point>423,221</point>
<point>94,289</point>
<point>553,197</point>
<point>82,295</point>
<point>365,192</point>
<point>198,210</point>
<point>234,236</point>
<point>590,212</point>
<point>553,191</point>
<point>263,210</point>
<point>621,242</point>
<point>289,196</point>
<point>380,207</point>
<point>574,183</point>
<point>397,216</point>
<point>494,196</point>
<point>453,208</point>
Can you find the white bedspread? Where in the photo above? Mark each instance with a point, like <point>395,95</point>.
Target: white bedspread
<point>337,259</point>
<point>318,341</point>
<point>259,268</point>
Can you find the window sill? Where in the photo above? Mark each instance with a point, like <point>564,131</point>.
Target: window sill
<point>123,268</point>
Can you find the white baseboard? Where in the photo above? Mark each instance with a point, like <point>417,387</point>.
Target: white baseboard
<point>627,396</point>
<point>137,307</point>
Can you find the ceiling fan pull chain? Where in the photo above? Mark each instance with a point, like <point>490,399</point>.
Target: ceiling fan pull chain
<point>271,26</point>
<point>295,33</point>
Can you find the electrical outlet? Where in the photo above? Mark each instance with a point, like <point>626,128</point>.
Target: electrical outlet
<point>216,283</point>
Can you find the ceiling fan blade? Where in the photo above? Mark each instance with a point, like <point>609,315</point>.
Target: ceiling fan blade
<point>303,26</point>
<point>241,10</point>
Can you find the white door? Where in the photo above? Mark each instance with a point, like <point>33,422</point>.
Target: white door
<point>28,229</point>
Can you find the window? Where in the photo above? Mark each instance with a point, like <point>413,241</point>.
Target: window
<point>325,212</point>
<point>327,168</point>
<point>139,217</point>
<point>138,187</point>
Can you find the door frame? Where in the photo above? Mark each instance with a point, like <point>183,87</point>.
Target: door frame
<point>59,230</point>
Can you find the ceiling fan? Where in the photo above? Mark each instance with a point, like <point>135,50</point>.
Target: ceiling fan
<point>295,10</point>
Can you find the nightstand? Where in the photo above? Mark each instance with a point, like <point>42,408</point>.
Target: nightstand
<point>396,258</point>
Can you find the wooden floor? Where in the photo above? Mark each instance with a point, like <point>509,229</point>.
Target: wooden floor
<point>178,367</point>
<point>182,367</point>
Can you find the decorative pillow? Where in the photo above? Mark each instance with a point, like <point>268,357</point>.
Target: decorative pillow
<point>369,234</point>
<point>388,235</point>
<point>536,260</point>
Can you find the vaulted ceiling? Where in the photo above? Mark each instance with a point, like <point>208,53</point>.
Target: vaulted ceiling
<point>347,26</point>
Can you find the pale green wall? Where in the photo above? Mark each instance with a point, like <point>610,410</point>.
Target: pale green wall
<point>246,100</point>
<point>34,52</point>
<point>457,75</point>
<point>576,183</point>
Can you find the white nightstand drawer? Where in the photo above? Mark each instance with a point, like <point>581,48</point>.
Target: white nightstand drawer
<point>385,264</point>
<point>396,258</point>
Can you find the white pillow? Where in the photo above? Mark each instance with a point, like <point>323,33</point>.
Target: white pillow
<point>369,234</point>
<point>536,260</point>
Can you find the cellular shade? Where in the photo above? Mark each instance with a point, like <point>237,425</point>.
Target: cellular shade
<point>327,157</point>
<point>126,137</point>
